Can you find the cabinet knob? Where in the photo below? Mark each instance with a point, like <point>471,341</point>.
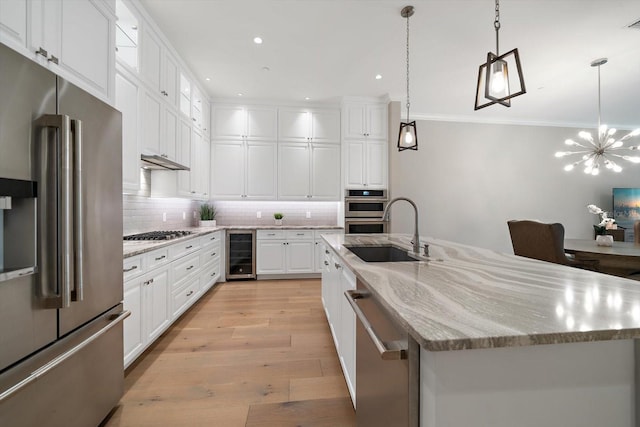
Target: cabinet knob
<point>326,262</point>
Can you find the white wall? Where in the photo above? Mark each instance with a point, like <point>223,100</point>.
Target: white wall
<point>468,179</point>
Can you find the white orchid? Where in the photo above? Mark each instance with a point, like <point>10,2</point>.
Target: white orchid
<point>605,221</point>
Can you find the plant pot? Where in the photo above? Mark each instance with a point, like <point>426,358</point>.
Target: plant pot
<point>604,240</point>
<point>278,221</point>
<point>209,223</point>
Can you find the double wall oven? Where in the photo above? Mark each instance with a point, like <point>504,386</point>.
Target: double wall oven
<point>363,211</point>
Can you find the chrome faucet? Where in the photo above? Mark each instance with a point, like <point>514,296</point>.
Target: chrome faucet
<point>416,234</point>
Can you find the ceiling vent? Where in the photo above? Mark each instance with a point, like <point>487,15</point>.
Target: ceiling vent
<point>635,25</point>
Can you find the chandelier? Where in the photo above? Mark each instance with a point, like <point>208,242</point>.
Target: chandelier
<point>602,150</point>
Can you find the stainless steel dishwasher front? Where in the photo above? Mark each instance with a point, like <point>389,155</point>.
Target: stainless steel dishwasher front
<point>387,368</point>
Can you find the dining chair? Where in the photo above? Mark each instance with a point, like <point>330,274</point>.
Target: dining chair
<point>545,242</point>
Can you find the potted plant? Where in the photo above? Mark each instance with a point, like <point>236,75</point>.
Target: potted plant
<point>207,215</point>
<point>606,223</point>
<point>278,217</point>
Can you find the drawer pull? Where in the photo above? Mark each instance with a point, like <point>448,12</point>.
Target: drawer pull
<point>326,262</point>
<point>190,267</point>
<point>148,282</point>
<point>213,254</point>
<point>326,251</point>
<point>299,234</point>
<point>213,274</point>
<point>189,247</point>
<point>271,234</point>
<point>133,267</point>
<point>337,265</point>
<point>189,293</point>
<point>161,257</point>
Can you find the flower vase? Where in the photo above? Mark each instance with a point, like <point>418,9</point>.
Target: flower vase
<point>208,223</point>
<point>278,221</point>
<point>604,240</point>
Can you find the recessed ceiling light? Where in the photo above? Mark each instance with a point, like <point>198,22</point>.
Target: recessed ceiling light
<point>239,94</point>
<point>378,76</point>
<point>257,40</point>
<point>306,98</point>
<point>266,68</point>
<point>208,79</point>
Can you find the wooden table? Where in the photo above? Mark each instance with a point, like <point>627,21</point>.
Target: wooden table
<point>621,259</point>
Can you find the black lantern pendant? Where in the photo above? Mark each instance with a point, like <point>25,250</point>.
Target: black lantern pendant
<point>408,136</point>
<point>494,83</point>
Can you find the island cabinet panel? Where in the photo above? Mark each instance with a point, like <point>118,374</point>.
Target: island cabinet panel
<point>588,384</point>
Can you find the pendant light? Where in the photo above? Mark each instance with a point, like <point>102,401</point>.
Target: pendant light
<point>408,136</point>
<point>594,152</point>
<point>494,82</point>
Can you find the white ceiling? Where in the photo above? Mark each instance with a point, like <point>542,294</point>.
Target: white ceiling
<point>325,49</point>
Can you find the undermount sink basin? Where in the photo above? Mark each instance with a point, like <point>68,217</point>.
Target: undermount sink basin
<point>385,253</point>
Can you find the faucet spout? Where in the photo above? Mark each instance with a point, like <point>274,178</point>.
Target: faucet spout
<point>416,234</point>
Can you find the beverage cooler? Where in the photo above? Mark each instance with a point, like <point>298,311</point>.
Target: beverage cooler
<point>241,254</point>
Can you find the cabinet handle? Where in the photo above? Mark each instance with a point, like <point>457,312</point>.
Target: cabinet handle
<point>213,274</point>
<point>213,254</point>
<point>164,155</point>
<point>193,118</point>
<point>148,282</point>
<point>189,293</point>
<point>160,257</point>
<point>42,52</point>
<point>299,234</point>
<point>189,247</point>
<point>53,59</point>
<point>126,270</point>
<point>326,251</point>
<point>338,266</point>
<point>190,267</point>
<point>271,234</point>
<point>326,262</point>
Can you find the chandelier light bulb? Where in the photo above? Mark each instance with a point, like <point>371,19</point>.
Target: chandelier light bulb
<point>569,168</point>
<point>570,142</point>
<point>585,135</point>
<point>408,138</point>
<point>498,80</point>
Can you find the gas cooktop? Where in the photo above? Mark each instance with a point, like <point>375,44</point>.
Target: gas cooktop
<point>158,235</point>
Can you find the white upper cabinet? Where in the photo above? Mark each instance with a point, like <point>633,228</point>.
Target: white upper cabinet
<point>185,95</point>
<point>244,122</point>
<point>196,108</point>
<point>127,40</point>
<point>169,79</point>
<point>127,102</point>
<point>76,39</point>
<point>151,48</point>
<point>365,121</point>
<point>13,23</point>
<point>151,120</point>
<point>243,170</point>
<point>309,125</point>
<point>308,171</point>
<point>365,146</point>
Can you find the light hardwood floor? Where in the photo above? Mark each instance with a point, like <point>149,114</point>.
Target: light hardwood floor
<point>250,353</point>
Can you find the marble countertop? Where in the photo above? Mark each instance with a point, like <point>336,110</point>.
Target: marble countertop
<point>136,247</point>
<point>464,297</point>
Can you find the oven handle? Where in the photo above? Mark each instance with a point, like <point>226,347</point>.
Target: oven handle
<point>385,352</point>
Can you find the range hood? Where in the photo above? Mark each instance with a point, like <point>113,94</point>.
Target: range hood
<point>154,161</point>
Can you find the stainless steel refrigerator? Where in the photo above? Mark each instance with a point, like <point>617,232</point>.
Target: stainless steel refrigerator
<point>61,360</point>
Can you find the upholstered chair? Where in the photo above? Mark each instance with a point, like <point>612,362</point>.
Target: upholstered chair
<point>545,242</point>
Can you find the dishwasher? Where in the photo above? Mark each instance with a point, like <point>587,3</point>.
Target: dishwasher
<point>241,254</point>
<point>387,365</point>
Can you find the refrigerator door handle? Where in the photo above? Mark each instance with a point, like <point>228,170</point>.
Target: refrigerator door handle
<point>76,130</point>
<point>114,319</point>
<point>60,262</point>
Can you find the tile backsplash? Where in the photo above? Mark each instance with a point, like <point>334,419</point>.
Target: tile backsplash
<point>142,213</point>
<point>295,213</point>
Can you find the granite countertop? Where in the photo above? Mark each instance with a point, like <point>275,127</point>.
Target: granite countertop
<point>136,247</point>
<point>464,297</point>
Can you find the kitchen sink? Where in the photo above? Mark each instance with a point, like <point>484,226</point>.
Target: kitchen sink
<point>386,253</point>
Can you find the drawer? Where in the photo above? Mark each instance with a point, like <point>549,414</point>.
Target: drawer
<point>299,234</point>
<point>209,277</point>
<point>132,267</point>
<point>181,249</point>
<point>184,268</point>
<point>318,233</point>
<point>156,258</point>
<point>208,255</point>
<point>270,235</point>
<point>184,296</point>
<point>210,239</point>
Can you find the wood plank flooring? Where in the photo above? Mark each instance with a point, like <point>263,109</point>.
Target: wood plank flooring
<point>248,354</point>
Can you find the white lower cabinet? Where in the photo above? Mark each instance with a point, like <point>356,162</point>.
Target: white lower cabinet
<point>336,280</point>
<point>162,284</point>
<point>285,252</point>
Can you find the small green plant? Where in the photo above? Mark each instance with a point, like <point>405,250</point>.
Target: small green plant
<point>278,216</point>
<point>207,212</point>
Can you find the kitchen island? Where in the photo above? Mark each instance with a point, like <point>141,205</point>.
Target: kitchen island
<point>505,340</point>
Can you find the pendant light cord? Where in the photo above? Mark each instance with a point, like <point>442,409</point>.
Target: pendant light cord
<point>408,100</point>
<point>496,25</point>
